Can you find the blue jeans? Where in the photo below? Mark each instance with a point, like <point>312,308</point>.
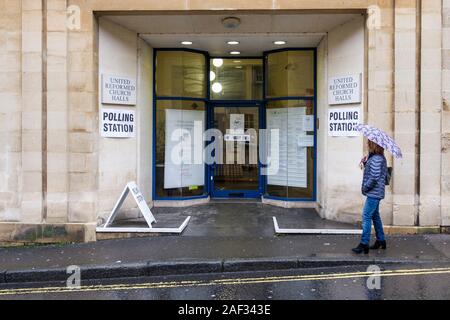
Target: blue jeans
<point>371,213</point>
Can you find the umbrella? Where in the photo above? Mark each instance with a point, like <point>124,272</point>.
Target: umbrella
<point>381,138</point>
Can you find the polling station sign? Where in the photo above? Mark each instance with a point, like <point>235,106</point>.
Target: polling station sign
<point>117,123</point>
<point>343,122</point>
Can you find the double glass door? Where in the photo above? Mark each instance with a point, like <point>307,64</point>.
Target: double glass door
<point>235,172</point>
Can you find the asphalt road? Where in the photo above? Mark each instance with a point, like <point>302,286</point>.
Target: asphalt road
<point>411,281</point>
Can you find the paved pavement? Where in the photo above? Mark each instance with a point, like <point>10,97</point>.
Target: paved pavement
<point>408,281</point>
<point>220,238</point>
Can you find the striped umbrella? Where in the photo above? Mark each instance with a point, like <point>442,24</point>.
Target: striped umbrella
<point>381,138</point>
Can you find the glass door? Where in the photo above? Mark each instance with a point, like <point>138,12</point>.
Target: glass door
<point>235,174</point>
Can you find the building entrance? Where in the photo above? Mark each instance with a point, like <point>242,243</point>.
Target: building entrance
<point>232,99</point>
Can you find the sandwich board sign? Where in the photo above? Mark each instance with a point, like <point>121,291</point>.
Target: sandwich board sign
<point>145,210</point>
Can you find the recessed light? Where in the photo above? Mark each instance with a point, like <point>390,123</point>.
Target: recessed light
<point>217,62</point>
<point>186,43</point>
<point>279,42</point>
<point>217,87</point>
<point>212,75</point>
<point>238,67</point>
<point>237,61</point>
<point>233,42</point>
<point>235,52</point>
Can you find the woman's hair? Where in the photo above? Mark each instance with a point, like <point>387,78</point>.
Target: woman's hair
<point>375,148</point>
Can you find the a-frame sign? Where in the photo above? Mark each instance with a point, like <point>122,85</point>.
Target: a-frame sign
<point>145,210</point>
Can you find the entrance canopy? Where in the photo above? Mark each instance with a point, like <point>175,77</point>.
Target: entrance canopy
<point>255,33</point>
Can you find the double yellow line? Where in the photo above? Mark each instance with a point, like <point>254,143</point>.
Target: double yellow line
<point>229,281</point>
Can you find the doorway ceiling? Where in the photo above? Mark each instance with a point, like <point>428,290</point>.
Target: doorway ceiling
<point>255,34</point>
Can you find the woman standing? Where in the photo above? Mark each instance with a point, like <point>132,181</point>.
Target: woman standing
<point>373,185</point>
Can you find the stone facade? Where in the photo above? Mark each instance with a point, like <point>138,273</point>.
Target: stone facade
<point>53,164</point>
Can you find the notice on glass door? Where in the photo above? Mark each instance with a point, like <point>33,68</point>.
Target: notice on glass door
<point>237,122</point>
<point>180,168</point>
<point>293,145</point>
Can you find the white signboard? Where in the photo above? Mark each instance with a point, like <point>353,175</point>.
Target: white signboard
<point>293,145</point>
<point>344,90</point>
<point>342,122</point>
<point>118,90</point>
<point>117,123</point>
<point>180,167</point>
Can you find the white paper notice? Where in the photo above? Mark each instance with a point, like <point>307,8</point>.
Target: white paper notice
<point>237,123</point>
<point>180,169</point>
<point>292,159</point>
<point>343,122</point>
<point>305,141</point>
<point>117,123</point>
<point>308,123</point>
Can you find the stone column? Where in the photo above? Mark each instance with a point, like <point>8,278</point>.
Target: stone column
<point>405,173</point>
<point>11,112</point>
<point>380,86</point>
<point>430,114</point>
<point>445,182</point>
<point>32,116</point>
<point>57,112</point>
<point>83,115</point>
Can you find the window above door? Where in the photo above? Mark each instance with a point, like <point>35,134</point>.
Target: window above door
<point>236,79</point>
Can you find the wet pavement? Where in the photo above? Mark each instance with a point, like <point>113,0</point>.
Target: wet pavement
<point>232,237</point>
<point>234,218</point>
<point>391,282</point>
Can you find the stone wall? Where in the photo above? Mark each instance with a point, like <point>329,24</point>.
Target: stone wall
<point>341,52</point>
<point>122,53</point>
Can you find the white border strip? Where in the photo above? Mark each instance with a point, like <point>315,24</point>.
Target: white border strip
<point>146,230</point>
<point>278,230</point>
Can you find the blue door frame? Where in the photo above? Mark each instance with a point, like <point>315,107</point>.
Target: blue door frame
<point>210,172</point>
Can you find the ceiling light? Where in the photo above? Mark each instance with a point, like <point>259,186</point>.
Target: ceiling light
<point>237,61</point>
<point>186,43</point>
<point>235,52</point>
<point>216,87</point>
<point>217,62</point>
<point>279,42</point>
<point>212,75</point>
<point>238,67</point>
<point>233,42</point>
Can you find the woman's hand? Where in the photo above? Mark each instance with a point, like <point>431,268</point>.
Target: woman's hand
<point>363,161</point>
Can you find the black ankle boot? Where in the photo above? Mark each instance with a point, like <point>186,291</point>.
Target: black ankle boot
<point>361,248</point>
<point>378,245</point>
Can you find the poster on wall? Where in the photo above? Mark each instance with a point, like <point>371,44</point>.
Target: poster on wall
<point>342,122</point>
<point>344,89</point>
<point>180,167</point>
<point>117,123</point>
<point>293,145</point>
<point>118,90</point>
